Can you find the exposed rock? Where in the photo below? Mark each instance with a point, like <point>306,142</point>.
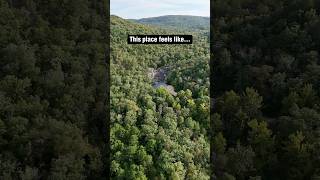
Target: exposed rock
<point>159,79</point>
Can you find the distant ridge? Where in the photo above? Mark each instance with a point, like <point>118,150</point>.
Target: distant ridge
<point>178,21</point>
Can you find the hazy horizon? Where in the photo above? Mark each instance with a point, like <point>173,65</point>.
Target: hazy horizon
<point>160,16</point>
<point>155,8</point>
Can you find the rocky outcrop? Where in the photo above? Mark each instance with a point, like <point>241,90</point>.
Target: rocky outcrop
<point>159,79</point>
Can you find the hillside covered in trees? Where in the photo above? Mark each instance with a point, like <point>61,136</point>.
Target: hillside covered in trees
<point>178,22</point>
<point>52,89</point>
<point>266,78</point>
<point>156,134</point>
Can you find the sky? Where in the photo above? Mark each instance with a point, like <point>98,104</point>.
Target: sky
<point>136,9</point>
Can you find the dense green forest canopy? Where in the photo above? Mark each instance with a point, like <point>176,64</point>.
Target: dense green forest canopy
<point>178,22</point>
<point>52,89</point>
<point>155,134</point>
<point>266,78</point>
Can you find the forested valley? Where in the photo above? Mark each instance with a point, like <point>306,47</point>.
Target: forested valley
<point>266,74</point>
<point>157,133</point>
<point>53,78</point>
<point>265,120</point>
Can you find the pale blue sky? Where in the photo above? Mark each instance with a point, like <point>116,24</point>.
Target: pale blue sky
<point>135,9</point>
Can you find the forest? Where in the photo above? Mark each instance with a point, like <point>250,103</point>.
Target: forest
<point>178,22</point>
<point>256,118</point>
<point>53,81</point>
<point>265,78</point>
<point>159,130</point>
